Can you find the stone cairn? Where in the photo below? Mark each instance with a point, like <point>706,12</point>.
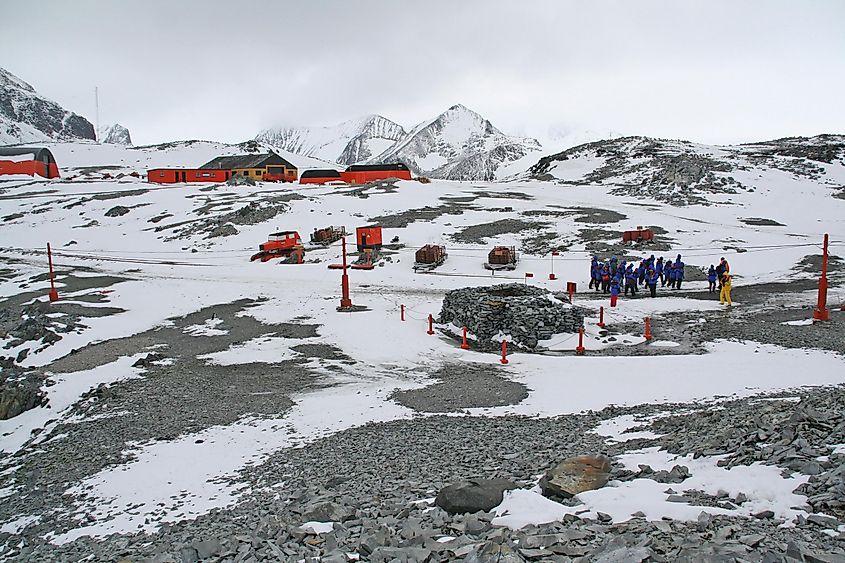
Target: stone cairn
<point>525,313</point>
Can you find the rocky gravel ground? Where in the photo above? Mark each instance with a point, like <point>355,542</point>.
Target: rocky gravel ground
<point>463,386</point>
<point>377,483</point>
<point>178,394</point>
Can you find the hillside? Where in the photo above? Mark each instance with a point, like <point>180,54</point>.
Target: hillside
<point>684,173</point>
<point>26,116</point>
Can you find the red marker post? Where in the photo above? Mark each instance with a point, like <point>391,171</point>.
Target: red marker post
<point>430,325</point>
<point>580,349</point>
<point>54,295</point>
<point>504,359</point>
<point>402,312</point>
<point>465,344</point>
<point>552,276</point>
<point>820,313</point>
<point>647,334</point>
<point>345,301</point>
<point>601,317</point>
<point>570,288</point>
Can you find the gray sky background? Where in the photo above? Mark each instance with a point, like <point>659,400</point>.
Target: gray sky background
<point>709,71</point>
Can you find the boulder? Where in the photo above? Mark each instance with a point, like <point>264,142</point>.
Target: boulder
<point>117,211</point>
<point>492,552</point>
<point>328,512</point>
<point>473,495</point>
<point>575,475</point>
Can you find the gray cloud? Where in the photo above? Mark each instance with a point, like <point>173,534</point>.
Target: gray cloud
<point>708,71</point>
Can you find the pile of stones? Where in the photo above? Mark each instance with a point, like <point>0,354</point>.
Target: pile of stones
<point>524,313</point>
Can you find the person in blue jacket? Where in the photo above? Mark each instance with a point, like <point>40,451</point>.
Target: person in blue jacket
<point>641,272</point>
<point>605,278</point>
<point>658,268</point>
<point>667,269</point>
<point>614,291</point>
<point>711,278</point>
<point>594,273</point>
<point>679,272</point>
<point>651,278</point>
<point>630,280</point>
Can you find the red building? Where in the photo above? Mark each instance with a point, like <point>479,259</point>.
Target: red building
<point>320,177</point>
<point>28,160</point>
<point>368,238</point>
<point>173,175</point>
<point>363,173</point>
<point>266,166</point>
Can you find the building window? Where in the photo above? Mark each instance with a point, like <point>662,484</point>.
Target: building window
<point>258,172</point>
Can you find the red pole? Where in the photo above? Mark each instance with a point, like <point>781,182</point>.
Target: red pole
<point>821,313</point>
<point>430,324</point>
<point>465,344</point>
<point>504,359</point>
<point>580,349</point>
<point>54,295</point>
<point>345,301</point>
<point>601,316</point>
<point>648,328</point>
<point>552,274</point>
<point>402,312</point>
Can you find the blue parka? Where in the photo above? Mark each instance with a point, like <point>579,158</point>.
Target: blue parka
<point>679,269</point>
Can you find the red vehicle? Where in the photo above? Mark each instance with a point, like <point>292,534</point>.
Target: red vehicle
<point>429,257</point>
<point>285,244</point>
<point>502,258</point>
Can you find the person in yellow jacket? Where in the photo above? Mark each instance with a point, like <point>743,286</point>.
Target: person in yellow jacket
<point>725,294</point>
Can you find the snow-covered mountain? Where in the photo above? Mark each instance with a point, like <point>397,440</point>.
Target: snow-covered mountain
<point>345,143</point>
<point>115,134</point>
<point>26,116</point>
<point>458,144</point>
<point>682,172</point>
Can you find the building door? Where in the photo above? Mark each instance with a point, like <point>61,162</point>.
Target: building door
<point>183,177</point>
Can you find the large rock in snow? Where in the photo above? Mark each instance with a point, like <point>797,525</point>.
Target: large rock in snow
<point>474,495</point>
<point>575,475</point>
<point>26,116</point>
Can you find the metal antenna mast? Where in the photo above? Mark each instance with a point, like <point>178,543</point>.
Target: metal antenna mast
<point>97,113</point>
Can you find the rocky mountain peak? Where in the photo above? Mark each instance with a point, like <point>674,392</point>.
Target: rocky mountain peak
<point>9,80</point>
<point>26,116</point>
<point>115,134</point>
<point>346,143</point>
<point>458,144</point>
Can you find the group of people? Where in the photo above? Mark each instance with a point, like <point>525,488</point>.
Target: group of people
<point>617,277</point>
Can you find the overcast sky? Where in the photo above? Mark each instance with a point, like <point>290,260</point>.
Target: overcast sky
<point>708,71</point>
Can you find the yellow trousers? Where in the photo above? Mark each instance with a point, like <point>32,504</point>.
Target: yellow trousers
<point>725,294</point>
